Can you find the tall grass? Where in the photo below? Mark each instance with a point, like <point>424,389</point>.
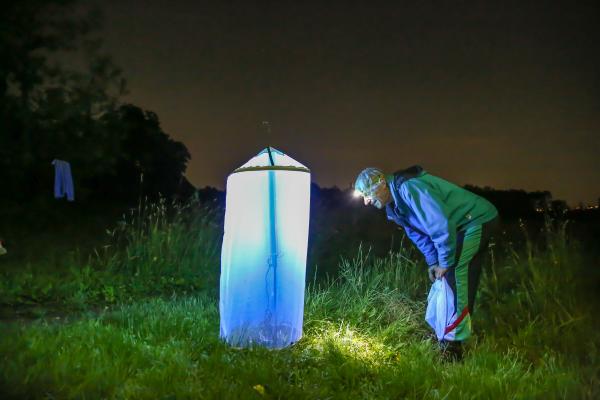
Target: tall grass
<point>364,334</point>
<point>157,248</point>
<point>161,247</point>
<point>543,302</point>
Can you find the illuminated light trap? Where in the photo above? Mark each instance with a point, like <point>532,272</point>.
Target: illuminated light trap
<point>263,258</point>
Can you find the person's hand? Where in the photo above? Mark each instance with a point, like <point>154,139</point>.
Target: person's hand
<point>439,271</point>
<point>431,273</point>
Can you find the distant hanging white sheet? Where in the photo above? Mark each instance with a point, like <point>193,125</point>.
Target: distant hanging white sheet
<point>63,180</point>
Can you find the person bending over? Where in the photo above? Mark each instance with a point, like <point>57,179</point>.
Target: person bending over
<point>448,224</point>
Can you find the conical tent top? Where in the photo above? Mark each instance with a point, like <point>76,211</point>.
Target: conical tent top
<point>271,158</point>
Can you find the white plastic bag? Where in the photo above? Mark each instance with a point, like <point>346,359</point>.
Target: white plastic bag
<point>440,312</point>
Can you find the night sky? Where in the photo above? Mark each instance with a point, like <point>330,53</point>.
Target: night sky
<point>505,95</point>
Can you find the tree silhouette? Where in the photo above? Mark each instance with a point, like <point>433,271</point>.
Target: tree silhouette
<point>147,160</point>
<point>48,111</point>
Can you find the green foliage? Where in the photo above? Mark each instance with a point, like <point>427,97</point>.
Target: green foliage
<point>552,287</point>
<point>156,249</point>
<point>163,245</point>
<point>364,334</point>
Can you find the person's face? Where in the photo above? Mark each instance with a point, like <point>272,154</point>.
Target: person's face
<point>379,196</point>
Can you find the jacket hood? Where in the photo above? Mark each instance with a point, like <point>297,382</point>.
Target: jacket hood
<point>405,174</point>
<point>397,179</point>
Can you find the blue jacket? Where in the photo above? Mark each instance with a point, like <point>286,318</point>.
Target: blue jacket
<point>432,211</point>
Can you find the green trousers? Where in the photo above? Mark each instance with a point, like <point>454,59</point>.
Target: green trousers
<point>463,277</point>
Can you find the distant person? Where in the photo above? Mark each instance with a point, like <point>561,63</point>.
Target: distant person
<point>450,225</point>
